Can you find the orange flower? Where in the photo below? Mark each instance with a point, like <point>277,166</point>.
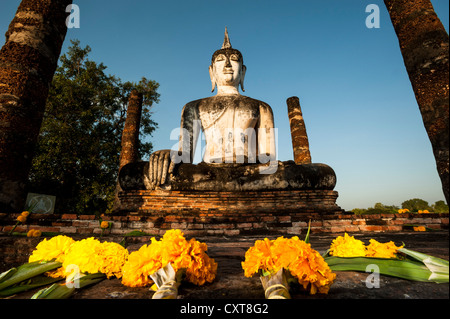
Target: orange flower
<point>34,233</point>
<point>21,219</point>
<point>172,248</point>
<point>25,213</point>
<point>295,255</point>
<point>104,224</point>
<point>419,228</point>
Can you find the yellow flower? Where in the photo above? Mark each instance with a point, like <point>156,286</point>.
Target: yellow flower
<point>379,250</point>
<point>419,228</point>
<point>91,256</point>
<point>104,224</point>
<point>112,258</point>
<point>424,211</point>
<point>55,248</point>
<point>347,246</point>
<point>402,211</point>
<point>83,254</point>
<point>172,248</point>
<point>293,254</point>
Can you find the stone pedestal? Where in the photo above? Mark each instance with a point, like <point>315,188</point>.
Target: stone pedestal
<point>230,213</point>
<point>230,199</point>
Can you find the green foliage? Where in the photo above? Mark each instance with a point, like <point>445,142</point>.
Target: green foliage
<point>440,207</point>
<point>416,204</point>
<point>378,208</point>
<point>359,211</point>
<point>79,144</point>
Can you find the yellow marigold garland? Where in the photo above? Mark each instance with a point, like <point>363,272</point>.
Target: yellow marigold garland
<point>380,250</point>
<point>54,248</point>
<point>295,255</point>
<point>347,246</point>
<point>92,256</point>
<point>172,248</point>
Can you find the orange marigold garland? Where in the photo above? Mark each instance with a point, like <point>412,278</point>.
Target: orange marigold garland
<point>294,255</point>
<point>173,248</point>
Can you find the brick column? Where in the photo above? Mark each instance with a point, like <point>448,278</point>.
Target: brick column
<point>300,142</point>
<point>130,135</point>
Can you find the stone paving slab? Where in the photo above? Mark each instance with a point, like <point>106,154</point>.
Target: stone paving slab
<point>230,282</point>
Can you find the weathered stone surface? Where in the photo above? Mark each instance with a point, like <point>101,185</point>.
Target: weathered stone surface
<point>235,177</point>
<point>238,177</point>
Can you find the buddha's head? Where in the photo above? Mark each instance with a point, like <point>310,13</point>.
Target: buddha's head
<point>227,67</point>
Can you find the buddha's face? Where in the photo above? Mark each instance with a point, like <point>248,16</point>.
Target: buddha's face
<point>227,69</point>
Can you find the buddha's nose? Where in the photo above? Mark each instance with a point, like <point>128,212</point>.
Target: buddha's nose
<point>227,63</point>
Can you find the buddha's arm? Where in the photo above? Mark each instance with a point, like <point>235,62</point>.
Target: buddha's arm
<point>266,135</point>
<point>189,130</point>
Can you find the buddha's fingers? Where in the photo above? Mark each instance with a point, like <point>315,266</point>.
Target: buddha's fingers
<point>165,167</point>
<point>150,171</point>
<point>155,157</point>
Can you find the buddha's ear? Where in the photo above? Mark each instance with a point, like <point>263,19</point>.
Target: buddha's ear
<point>213,79</point>
<point>241,81</point>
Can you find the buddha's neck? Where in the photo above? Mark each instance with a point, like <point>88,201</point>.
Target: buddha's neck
<point>227,90</point>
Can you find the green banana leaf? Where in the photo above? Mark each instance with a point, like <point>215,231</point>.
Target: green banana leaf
<point>25,272</point>
<point>62,291</point>
<point>416,267</point>
<point>29,284</point>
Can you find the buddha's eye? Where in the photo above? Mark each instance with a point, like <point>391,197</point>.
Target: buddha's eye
<point>234,57</point>
<point>220,57</point>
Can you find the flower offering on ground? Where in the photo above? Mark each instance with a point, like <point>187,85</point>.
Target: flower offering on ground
<point>92,256</point>
<point>347,246</point>
<point>410,265</point>
<point>295,255</point>
<point>382,250</point>
<point>54,248</point>
<point>172,248</point>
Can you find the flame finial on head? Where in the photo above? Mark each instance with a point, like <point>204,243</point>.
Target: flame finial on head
<point>226,41</point>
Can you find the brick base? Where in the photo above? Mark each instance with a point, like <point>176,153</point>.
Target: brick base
<point>201,224</point>
<point>161,202</point>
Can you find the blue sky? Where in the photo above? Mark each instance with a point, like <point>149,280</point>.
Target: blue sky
<point>361,115</point>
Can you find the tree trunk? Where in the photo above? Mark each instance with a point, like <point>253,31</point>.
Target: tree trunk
<point>130,138</point>
<point>28,61</point>
<point>424,46</point>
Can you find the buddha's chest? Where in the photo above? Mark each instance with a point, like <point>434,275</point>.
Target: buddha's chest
<point>229,116</point>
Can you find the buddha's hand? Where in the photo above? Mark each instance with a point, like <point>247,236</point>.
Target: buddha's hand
<point>160,168</point>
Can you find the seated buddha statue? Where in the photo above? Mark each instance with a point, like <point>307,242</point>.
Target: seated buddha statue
<point>240,150</point>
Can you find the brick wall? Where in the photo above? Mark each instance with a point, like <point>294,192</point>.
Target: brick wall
<point>174,202</point>
<point>228,223</point>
